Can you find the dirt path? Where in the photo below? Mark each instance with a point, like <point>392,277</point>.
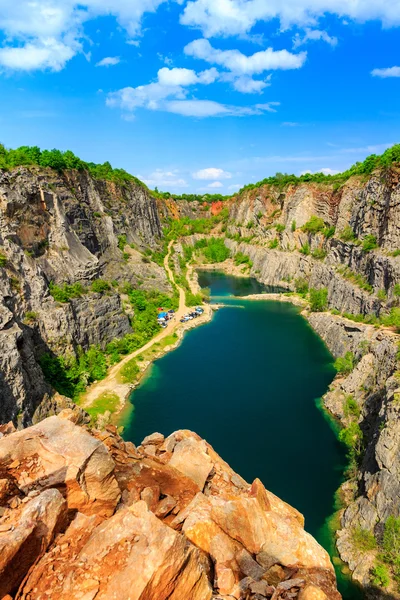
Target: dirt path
<point>112,381</point>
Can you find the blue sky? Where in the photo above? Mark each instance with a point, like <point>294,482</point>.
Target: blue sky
<point>205,95</point>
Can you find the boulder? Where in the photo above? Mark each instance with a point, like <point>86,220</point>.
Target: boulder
<point>55,453</point>
<point>26,533</point>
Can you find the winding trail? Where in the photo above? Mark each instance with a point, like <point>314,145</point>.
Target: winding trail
<point>112,383</point>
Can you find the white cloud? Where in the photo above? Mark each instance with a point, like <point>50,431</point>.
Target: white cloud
<point>184,77</point>
<point>212,173</point>
<point>290,124</point>
<point>169,94</point>
<point>237,17</point>
<point>46,54</point>
<point>313,35</point>
<point>235,186</point>
<point>108,61</point>
<point>241,68</point>
<point>240,64</point>
<point>159,178</point>
<point>46,34</point>
<point>389,72</point>
<point>325,171</point>
<point>215,184</point>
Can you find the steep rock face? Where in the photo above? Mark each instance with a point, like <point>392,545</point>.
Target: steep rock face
<point>65,228</point>
<point>374,387</point>
<point>166,520</point>
<point>369,206</point>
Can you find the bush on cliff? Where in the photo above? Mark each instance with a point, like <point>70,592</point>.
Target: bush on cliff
<point>314,225</point>
<point>345,364</point>
<point>65,293</point>
<point>318,299</point>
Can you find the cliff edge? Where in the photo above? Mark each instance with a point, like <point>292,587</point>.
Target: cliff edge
<point>86,515</point>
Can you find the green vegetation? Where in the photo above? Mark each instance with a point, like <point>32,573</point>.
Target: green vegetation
<point>380,575</point>
<point>100,286</point>
<point>177,228</point>
<point>355,278</point>
<point>273,244</point>
<point>242,259</point>
<point>213,249</point>
<point>279,228</point>
<point>66,292</point>
<point>70,375</point>
<point>3,259</point>
<point>318,299</point>
<point>107,401</point>
<point>352,438</point>
<point>129,371</point>
<point>281,180</point>
<point>350,407</point>
<point>305,249</point>
<point>192,197</point>
<point>345,364</point>
<point>363,539</point>
<point>30,316</point>
<point>301,286</point>
<point>319,253</point>
<point>293,226</point>
<point>347,234</point>
<point>382,296</point>
<point>396,289</point>
<point>369,243</point>
<point>314,225</point>
<point>329,232</point>
<point>121,242</point>
<point>56,159</point>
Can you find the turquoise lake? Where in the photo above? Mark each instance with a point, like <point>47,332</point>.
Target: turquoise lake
<point>248,382</point>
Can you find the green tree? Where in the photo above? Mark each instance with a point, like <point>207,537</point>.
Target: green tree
<point>318,299</point>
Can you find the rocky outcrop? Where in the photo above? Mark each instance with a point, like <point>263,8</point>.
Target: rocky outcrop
<point>66,228</point>
<point>366,206</point>
<point>374,495</point>
<point>91,516</point>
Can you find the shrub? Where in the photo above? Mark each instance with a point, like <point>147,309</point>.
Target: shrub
<point>193,299</point>
<point>129,371</point>
<point>363,539</point>
<point>313,225</point>
<point>305,249</point>
<point>100,286</point>
<point>391,541</point>
<point>347,234</point>
<point>345,364</point>
<point>328,232</point>
<point>319,254</point>
<point>215,250</point>
<point>121,242</point>
<point>66,292</point>
<point>3,259</point>
<point>241,259</point>
<point>395,252</point>
<point>293,225</point>
<point>273,244</point>
<point>350,407</point>
<point>369,243</point>
<point>396,289</point>
<point>380,575</point>
<point>30,316</point>
<point>279,228</point>
<point>318,299</point>
<point>301,285</point>
<point>382,295</point>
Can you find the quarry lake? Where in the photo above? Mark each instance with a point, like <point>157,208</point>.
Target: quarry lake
<point>248,382</point>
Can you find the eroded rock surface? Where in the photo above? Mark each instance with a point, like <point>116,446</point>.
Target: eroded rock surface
<point>88,516</point>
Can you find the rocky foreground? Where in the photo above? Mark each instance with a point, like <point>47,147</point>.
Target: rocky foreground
<point>85,515</point>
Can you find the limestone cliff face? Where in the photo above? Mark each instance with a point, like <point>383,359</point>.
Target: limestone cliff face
<point>369,206</point>
<point>358,282</point>
<point>65,228</point>
<point>87,515</point>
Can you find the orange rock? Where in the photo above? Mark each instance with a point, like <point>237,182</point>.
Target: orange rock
<point>131,556</point>
<point>27,536</point>
<point>57,453</point>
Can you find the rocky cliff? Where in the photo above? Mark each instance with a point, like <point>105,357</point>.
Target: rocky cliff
<point>65,228</point>
<point>87,515</point>
<point>345,239</point>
